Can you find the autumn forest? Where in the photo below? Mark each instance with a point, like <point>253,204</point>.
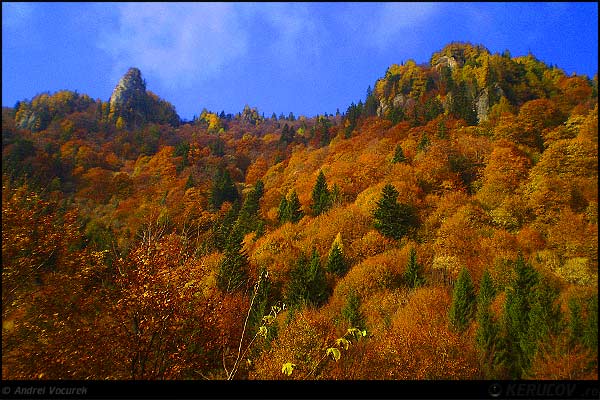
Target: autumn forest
<point>443,227</point>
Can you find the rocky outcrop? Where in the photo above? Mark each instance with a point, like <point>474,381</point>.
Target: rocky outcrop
<point>135,106</point>
<point>482,105</point>
<point>131,88</point>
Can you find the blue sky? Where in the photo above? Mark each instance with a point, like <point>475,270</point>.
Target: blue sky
<point>308,58</point>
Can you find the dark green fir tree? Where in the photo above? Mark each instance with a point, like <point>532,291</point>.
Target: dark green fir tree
<point>462,309</point>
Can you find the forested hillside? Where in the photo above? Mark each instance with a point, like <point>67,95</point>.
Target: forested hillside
<point>443,227</point>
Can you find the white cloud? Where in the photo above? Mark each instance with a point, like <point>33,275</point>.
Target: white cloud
<point>182,44</point>
<point>299,32</point>
<point>177,43</point>
<point>379,25</point>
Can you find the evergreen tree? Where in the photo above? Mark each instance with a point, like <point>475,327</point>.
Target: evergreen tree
<point>221,230</point>
<point>189,183</point>
<point>371,103</point>
<point>442,132</point>
<point>391,218</point>
<point>316,280</point>
<point>487,330</point>
<point>575,322</point>
<point>590,331</point>
<point>515,349</point>
<point>283,210</point>
<point>462,308</point>
<point>297,289</point>
<point>308,283</point>
<point>286,135</point>
<point>351,311</point>
<point>424,143</point>
<point>294,211</point>
<point>544,319</point>
<point>336,262</point>
<point>398,155</point>
<point>413,274</point>
<point>486,291</point>
<point>248,217</point>
<point>232,271</point>
<point>260,306</point>
<point>320,195</point>
<point>223,189</point>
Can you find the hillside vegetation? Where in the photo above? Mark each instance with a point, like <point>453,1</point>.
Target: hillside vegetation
<point>445,227</point>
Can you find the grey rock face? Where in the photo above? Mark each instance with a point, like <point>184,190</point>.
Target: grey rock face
<point>131,89</point>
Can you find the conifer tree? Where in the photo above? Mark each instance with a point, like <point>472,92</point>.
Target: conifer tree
<point>514,357</point>
<point>320,195</point>
<point>487,330</point>
<point>336,262</point>
<point>544,318</point>
<point>223,189</point>
<point>413,275</point>
<point>462,308</point>
<point>575,321</point>
<point>351,311</point>
<point>222,228</point>
<point>316,280</point>
<point>391,218</point>
<point>297,288</point>
<point>260,306</point>
<point>424,143</point>
<point>398,154</point>
<point>294,212</point>
<point>283,210</point>
<point>590,331</point>
<point>189,183</point>
<point>308,283</point>
<point>232,272</point>
<point>248,218</point>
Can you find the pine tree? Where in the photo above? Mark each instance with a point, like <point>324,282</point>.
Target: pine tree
<point>371,103</point>
<point>336,262</point>
<point>486,291</point>
<point>544,319</point>
<point>462,308</point>
<point>413,275</point>
<point>316,280</point>
<point>351,311</point>
<point>283,210</point>
<point>424,143</point>
<point>223,189</point>
<point>260,306</point>
<point>232,273</point>
<point>297,288</point>
<point>391,218</point>
<point>514,354</point>
<point>320,195</point>
<point>248,218</point>
<point>308,283</point>
<point>220,231</point>
<point>575,322</point>
<point>590,331</point>
<point>398,155</point>
<point>294,212</point>
<point>189,183</point>
<point>487,329</point>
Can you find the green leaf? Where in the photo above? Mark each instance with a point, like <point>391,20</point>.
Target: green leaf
<point>343,342</point>
<point>288,368</point>
<point>262,331</point>
<point>334,352</point>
